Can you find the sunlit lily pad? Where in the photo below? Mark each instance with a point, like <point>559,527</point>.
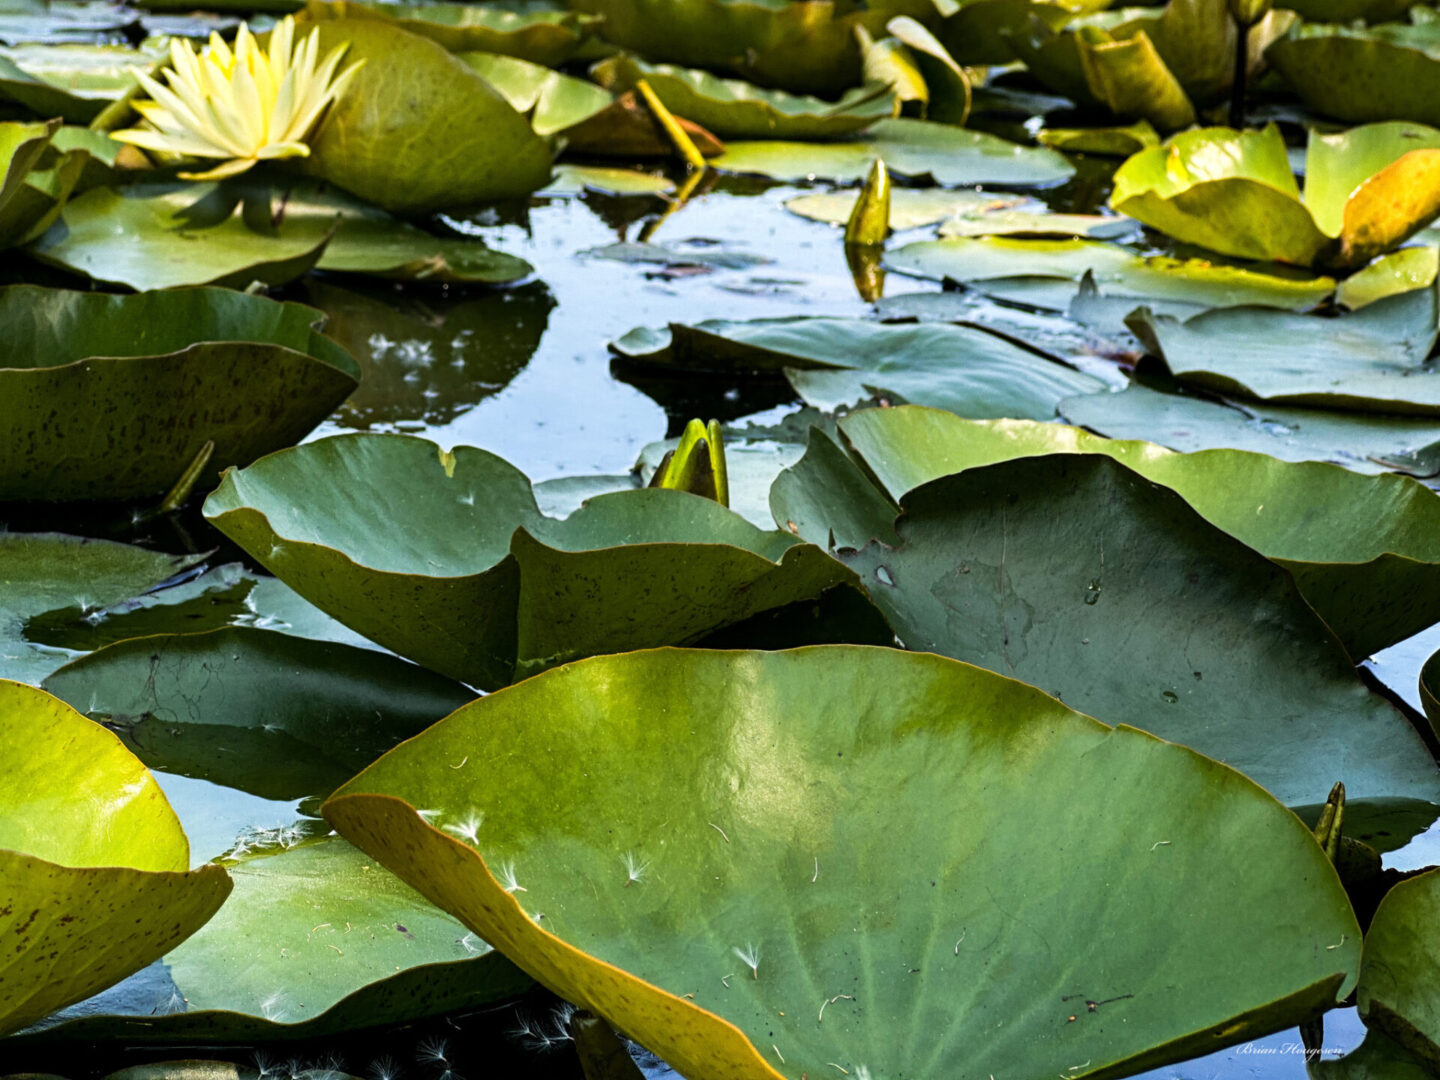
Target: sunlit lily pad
<point>22,151</point>
<point>316,938</point>
<point>1398,272</point>
<point>918,149</point>
<point>1359,74</point>
<point>111,397</point>
<point>842,362</point>
<point>1363,550</point>
<point>1114,141</point>
<point>963,213</point>
<point>1045,273</point>
<point>736,110</point>
<point>73,81</point>
<point>278,716</point>
<point>463,143</point>
<point>94,867</point>
<point>1366,190</point>
<point>1366,443</point>
<point>1080,576</point>
<point>814,919</point>
<point>540,32</point>
<point>552,101</point>
<point>491,589</point>
<point>1373,359</point>
<point>578,179</point>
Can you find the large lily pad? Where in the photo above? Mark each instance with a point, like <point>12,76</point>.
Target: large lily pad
<point>919,149</point>
<point>1373,359</point>
<point>460,141</point>
<point>492,589</point>
<point>539,32</point>
<point>1366,190</point>
<point>842,362</point>
<point>1364,442</point>
<point>1045,273</point>
<point>736,110</point>
<point>315,939</point>
<point>94,867</point>
<point>553,102</point>
<point>1359,74</point>
<point>111,397</point>
<point>281,717</point>
<point>786,913</point>
<point>1080,576</point>
<point>1362,550</point>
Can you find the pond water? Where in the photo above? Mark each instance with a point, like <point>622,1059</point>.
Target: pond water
<point>525,372</point>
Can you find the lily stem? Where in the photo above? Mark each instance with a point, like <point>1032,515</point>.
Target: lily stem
<point>1237,85</point>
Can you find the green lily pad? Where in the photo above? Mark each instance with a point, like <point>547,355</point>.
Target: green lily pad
<point>111,397</point>
<point>73,81</point>
<point>463,143</point>
<point>277,716</point>
<point>22,148</point>
<point>1372,360</point>
<point>1400,271</point>
<point>733,109</point>
<point>490,590</point>
<point>316,939</point>
<point>44,572</point>
<point>919,149</point>
<point>1360,74</point>
<point>93,860</point>
<point>781,917</point>
<point>552,101</point>
<point>578,179</point>
<point>1366,190</point>
<point>1176,626</point>
<point>1111,142</point>
<point>1003,266</point>
<point>841,362</point>
<point>804,50</point>
<point>539,32</point>
<point>1362,549</point>
<point>36,202</point>
<point>962,213</point>
<point>1378,1057</point>
<point>1400,974</point>
<point>1363,442</point>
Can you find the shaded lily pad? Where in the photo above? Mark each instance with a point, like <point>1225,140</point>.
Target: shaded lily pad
<point>539,32</point>
<point>552,101</point>
<point>495,594</point>
<point>841,362</point>
<point>799,888</point>
<point>463,142</point>
<point>963,213</point>
<point>46,572</point>
<point>1362,550</point>
<point>1114,141</point>
<point>94,878</point>
<point>278,716</point>
<point>736,110</point>
<point>1366,443</point>
<point>1373,359</point>
<point>1033,270</point>
<point>1399,989</point>
<point>111,397</point>
<point>1176,626</point>
<point>1359,74</point>
<point>918,149</point>
<point>315,939</point>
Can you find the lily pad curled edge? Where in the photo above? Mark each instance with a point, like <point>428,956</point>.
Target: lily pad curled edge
<point>771,936</point>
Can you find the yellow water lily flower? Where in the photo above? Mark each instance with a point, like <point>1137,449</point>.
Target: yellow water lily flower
<point>243,105</point>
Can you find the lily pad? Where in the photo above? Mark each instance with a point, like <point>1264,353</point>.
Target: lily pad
<point>918,149</point>
<point>1372,360</point>
<point>841,362</point>
<point>316,939</point>
<point>1363,442</point>
<point>95,864</point>
<point>1033,271</point>
<point>578,179</point>
<point>1080,576</point>
<point>539,32</point>
<point>1360,74</point>
<point>1113,141</point>
<point>463,142</point>
<point>736,110</point>
<point>813,935</point>
<point>1400,271</point>
<point>1362,549</point>
<point>111,397</point>
<point>552,101</point>
<point>490,590</point>
<point>963,213</point>
<point>74,81</point>
<point>281,717</point>
<point>1397,993</point>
